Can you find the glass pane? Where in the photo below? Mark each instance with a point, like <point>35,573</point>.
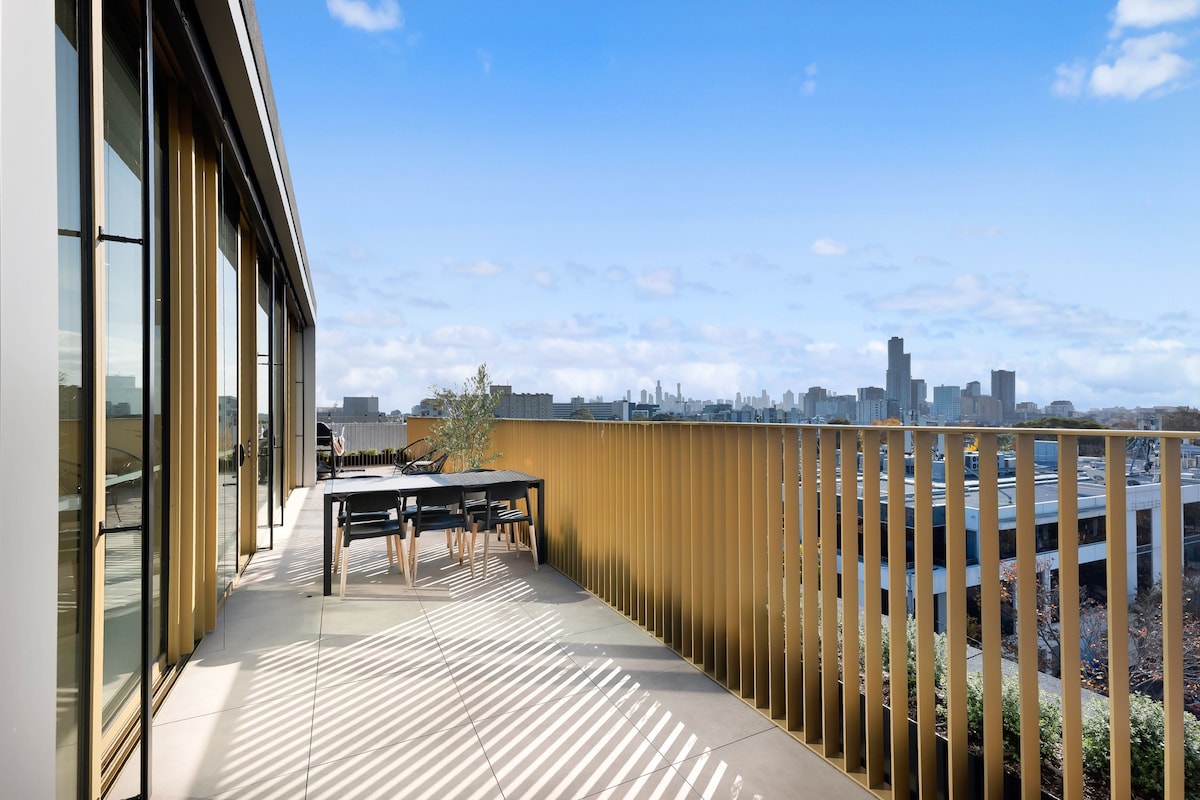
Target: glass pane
<point>123,474</point>
<point>123,343</point>
<point>227,406</point>
<point>157,431</point>
<point>278,352</point>
<point>264,404</point>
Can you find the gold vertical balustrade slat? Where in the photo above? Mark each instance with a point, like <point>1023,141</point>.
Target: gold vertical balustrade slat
<point>956,618</point>
<point>793,614</point>
<point>760,558</point>
<point>873,608</point>
<point>1118,616</point>
<point>897,611</point>
<point>721,632</point>
<point>923,601</point>
<point>1026,593</point>
<point>743,533</point>
<point>1068,606</point>
<point>701,535</point>
<point>989,564</point>
<point>774,564</point>
<point>848,529</point>
<point>733,618</point>
<point>1172,614</point>
<point>686,499</point>
<point>831,721</point>
<point>810,562</point>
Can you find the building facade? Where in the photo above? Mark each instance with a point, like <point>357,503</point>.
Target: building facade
<point>157,332</point>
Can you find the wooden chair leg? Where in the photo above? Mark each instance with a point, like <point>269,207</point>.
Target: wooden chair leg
<point>471,545</point>
<point>404,558</point>
<point>487,538</point>
<point>387,540</point>
<point>345,569</point>
<point>413,541</point>
<point>533,545</point>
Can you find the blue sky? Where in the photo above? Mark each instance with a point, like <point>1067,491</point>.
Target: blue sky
<point>593,196</point>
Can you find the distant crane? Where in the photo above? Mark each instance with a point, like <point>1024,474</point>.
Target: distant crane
<point>1140,449</point>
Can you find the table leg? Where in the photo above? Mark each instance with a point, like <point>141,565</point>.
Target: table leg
<point>540,486</point>
<point>327,547</point>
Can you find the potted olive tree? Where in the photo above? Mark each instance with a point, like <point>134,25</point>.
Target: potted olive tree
<point>464,431</point>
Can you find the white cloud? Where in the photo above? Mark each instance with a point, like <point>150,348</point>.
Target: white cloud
<point>382,16</point>
<point>485,60</point>
<point>542,277</point>
<point>1069,80</point>
<point>1152,13</point>
<point>461,336</point>
<point>659,283</point>
<point>810,80</point>
<point>478,269</point>
<point>1144,64</point>
<point>828,247</point>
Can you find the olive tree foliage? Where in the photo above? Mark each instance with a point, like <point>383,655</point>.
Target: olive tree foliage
<point>468,416</point>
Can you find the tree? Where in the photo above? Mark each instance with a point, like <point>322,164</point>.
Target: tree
<point>1088,445</point>
<point>583,412</point>
<point>1184,419</point>
<point>469,415</point>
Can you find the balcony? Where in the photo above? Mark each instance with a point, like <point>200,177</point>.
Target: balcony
<point>723,632</point>
<point>521,685</point>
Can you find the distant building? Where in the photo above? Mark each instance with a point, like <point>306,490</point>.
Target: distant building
<point>899,379</point>
<point>919,398</point>
<point>947,403</point>
<point>526,405</point>
<point>1061,408</point>
<point>1004,389</point>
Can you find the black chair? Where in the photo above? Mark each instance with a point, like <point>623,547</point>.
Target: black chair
<point>503,510</point>
<point>419,457</point>
<point>433,510</point>
<point>369,515</point>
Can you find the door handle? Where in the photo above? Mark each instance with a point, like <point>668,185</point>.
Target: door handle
<point>118,528</point>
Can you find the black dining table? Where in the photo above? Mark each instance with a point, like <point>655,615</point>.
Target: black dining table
<point>338,489</point>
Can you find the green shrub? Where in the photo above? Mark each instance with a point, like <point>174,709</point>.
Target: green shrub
<point>1049,716</point>
<point>1146,735</point>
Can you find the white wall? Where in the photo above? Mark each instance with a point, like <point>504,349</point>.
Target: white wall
<point>28,399</point>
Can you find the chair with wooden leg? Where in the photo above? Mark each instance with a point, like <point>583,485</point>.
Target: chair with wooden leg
<point>437,508</point>
<point>504,510</point>
<point>373,515</point>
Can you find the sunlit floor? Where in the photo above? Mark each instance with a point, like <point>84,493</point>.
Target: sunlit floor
<point>520,686</point>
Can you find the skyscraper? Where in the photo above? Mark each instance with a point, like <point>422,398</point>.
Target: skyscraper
<point>899,379</point>
<point>947,403</point>
<point>1004,389</point>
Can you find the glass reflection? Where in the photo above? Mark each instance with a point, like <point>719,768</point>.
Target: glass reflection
<point>70,395</point>
<point>228,449</point>
<point>124,338</point>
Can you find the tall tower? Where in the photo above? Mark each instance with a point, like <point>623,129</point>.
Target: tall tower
<point>899,379</point>
<point>1004,389</point>
<point>658,393</point>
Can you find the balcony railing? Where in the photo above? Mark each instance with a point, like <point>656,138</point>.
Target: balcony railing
<point>728,542</point>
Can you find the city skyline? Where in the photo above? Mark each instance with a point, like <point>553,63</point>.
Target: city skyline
<point>590,198</point>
